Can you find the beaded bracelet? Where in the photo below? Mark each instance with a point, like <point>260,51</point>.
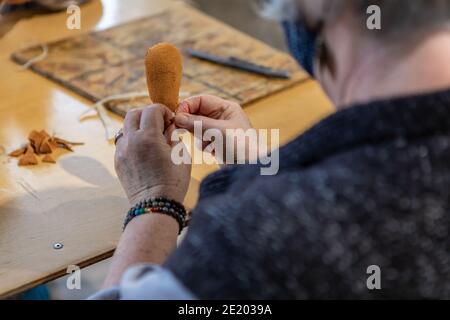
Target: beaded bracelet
<point>158,205</point>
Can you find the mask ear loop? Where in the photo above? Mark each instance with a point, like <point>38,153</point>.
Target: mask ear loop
<point>323,55</point>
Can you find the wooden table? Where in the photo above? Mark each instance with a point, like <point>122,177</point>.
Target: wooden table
<point>79,202</point>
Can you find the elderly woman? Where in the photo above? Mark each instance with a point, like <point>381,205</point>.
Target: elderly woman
<point>364,191</point>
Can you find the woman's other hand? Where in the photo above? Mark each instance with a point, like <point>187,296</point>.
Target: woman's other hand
<point>143,157</point>
<point>214,113</point>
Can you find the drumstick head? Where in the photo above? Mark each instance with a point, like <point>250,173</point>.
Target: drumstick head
<point>164,68</point>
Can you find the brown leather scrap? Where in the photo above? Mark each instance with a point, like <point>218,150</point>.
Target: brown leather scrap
<point>41,143</point>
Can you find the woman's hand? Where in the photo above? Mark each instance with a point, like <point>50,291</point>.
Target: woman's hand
<point>213,113</point>
<point>143,157</point>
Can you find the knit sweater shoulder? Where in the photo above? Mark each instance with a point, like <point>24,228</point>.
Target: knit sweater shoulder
<point>366,187</point>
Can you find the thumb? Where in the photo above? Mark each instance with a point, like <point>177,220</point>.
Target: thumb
<point>187,121</point>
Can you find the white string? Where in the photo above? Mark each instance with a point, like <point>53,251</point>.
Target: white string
<point>99,109</point>
<point>122,96</point>
<point>38,58</point>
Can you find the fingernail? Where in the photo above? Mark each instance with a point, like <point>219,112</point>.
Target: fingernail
<point>181,120</point>
<point>183,107</point>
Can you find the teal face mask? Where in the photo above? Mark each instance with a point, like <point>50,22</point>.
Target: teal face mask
<point>302,44</point>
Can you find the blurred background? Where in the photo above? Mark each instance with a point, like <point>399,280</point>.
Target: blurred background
<point>243,15</point>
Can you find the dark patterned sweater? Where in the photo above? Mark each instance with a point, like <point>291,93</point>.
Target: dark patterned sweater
<point>367,186</point>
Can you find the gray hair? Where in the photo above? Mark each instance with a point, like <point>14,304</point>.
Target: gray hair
<point>399,17</point>
<point>279,10</point>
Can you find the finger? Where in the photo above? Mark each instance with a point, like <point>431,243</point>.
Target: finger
<point>121,146</point>
<point>183,107</point>
<point>189,121</point>
<point>119,142</point>
<point>168,134</point>
<point>203,145</point>
<point>132,120</point>
<point>205,105</point>
<point>156,117</point>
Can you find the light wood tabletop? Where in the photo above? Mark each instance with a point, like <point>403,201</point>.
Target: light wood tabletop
<point>79,202</point>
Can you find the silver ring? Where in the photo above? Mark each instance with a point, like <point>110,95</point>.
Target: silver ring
<point>119,135</point>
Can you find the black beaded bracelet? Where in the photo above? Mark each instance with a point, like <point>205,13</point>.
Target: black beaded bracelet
<point>159,205</point>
